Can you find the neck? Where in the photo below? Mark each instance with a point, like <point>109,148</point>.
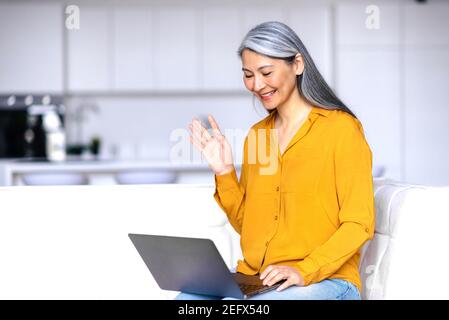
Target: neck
<point>292,111</point>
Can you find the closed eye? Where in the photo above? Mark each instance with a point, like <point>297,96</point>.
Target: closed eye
<point>264,74</point>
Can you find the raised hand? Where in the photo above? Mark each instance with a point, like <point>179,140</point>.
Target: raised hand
<point>214,148</point>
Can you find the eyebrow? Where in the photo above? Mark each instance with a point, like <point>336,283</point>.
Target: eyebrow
<point>267,65</point>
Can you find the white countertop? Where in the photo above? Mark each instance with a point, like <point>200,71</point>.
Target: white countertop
<point>15,167</point>
<point>101,165</point>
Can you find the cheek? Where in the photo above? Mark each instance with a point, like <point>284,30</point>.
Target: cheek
<point>287,83</point>
<point>278,81</point>
<point>248,83</point>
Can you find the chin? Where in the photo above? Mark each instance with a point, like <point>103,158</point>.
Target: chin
<point>269,107</point>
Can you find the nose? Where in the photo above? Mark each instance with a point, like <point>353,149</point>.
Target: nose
<point>258,84</point>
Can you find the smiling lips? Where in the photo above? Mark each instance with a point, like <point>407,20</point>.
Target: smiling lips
<point>268,95</point>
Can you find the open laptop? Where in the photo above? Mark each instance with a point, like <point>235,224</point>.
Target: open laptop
<point>194,265</point>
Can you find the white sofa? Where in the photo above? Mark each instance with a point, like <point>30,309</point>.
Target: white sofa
<point>408,258</point>
<point>71,242</point>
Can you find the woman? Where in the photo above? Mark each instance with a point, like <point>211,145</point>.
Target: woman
<point>305,219</point>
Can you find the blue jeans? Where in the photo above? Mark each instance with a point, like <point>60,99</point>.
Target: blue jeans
<point>330,289</point>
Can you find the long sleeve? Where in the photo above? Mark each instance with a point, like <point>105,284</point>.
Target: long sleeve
<point>230,193</point>
<point>353,179</point>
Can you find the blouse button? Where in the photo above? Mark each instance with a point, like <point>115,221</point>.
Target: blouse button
<point>277,188</point>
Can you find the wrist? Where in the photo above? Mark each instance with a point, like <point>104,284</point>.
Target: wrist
<point>224,171</point>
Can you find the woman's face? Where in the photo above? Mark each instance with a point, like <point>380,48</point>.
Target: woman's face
<point>272,81</point>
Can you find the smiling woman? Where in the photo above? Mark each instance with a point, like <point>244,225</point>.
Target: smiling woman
<point>278,41</point>
<point>304,221</point>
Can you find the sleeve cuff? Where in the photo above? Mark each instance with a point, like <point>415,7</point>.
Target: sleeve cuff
<point>226,181</point>
<point>308,270</point>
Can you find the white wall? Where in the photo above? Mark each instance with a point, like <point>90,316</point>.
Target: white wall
<point>426,93</point>
<point>394,78</point>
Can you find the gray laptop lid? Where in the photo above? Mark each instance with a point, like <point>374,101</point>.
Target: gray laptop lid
<point>186,264</point>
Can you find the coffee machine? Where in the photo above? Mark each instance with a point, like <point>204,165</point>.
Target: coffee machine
<point>32,126</point>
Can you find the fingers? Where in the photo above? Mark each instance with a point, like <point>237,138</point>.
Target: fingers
<point>196,143</point>
<point>196,136</point>
<point>274,277</point>
<point>266,272</point>
<point>270,276</point>
<point>199,133</point>
<point>214,126</point>
<point>273,274</point>
<point>287,283</point>
<point>198,126</point>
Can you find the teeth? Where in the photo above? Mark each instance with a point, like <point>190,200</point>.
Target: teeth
<point>268,94</point>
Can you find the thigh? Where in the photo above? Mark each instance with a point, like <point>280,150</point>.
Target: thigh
<point>330,289</point>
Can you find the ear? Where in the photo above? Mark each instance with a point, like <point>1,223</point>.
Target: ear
<point>298,64</point>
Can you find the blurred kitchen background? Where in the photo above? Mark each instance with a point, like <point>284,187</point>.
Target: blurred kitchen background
<point>97,92</point>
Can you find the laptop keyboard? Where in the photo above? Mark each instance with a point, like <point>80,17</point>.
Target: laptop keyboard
<point>247,288</point>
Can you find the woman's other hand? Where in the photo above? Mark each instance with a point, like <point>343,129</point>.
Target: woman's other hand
<point>215,149</point>
<point>274,274</point>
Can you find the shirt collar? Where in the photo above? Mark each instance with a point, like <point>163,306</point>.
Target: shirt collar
<point>315,110</point>
<point>321,111</point>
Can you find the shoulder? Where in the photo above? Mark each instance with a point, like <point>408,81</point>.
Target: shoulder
<point>348,135</point>
<point>347,132</point>
<point>343,123</point>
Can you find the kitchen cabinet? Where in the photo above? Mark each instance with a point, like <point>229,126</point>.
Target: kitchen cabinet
<point>133,48</point>
<point>252,16</point>
<point>31,37</point>
<point>221,66</point>
<point>312,24</point>
<point>143,47</point>
<point>89,51</point>
<point>177,54</point>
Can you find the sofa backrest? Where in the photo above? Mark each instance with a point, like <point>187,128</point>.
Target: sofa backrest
<point>408,247</point>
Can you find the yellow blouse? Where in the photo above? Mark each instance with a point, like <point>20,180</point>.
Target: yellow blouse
<point>312,207</point>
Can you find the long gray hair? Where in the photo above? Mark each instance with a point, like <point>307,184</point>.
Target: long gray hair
<point>276,40</point>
